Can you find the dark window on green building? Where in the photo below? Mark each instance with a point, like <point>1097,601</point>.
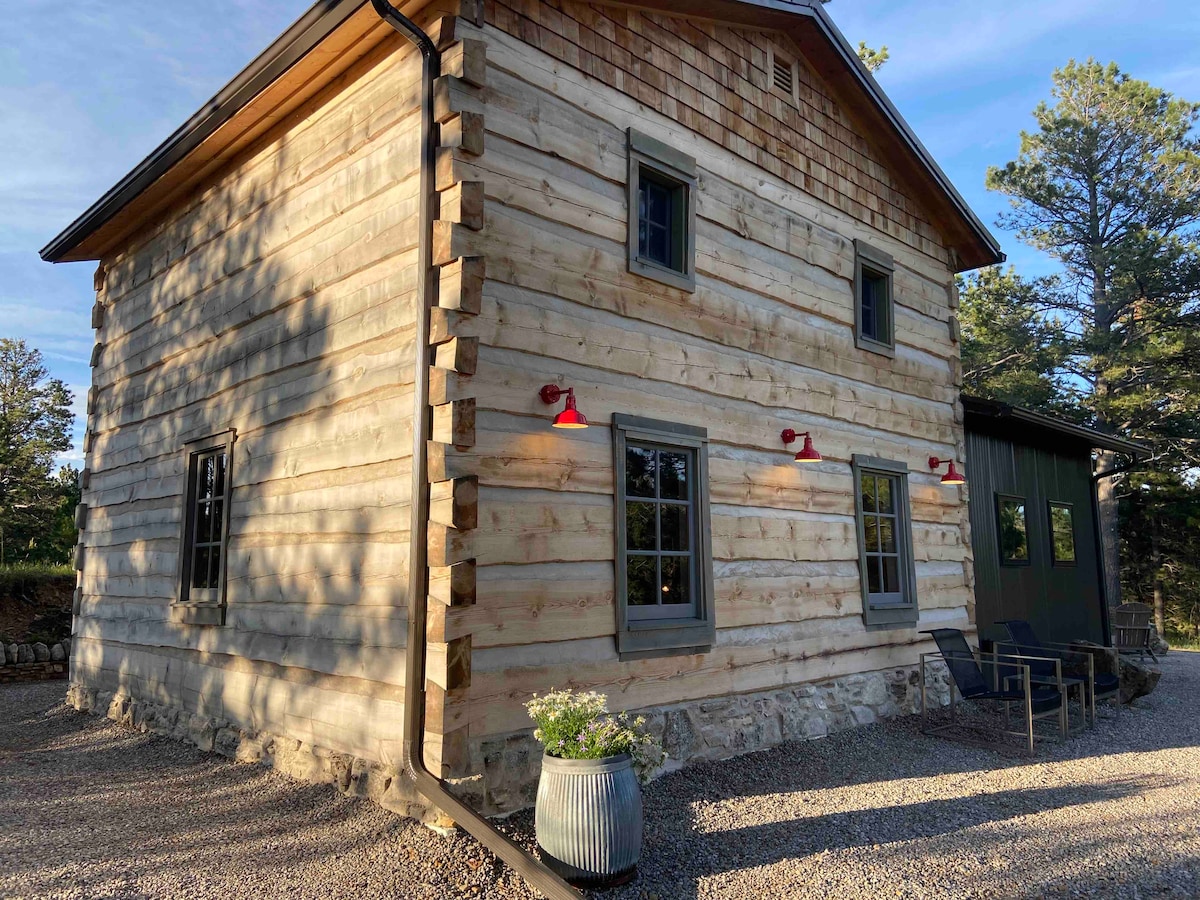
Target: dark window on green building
<point>1062,534</point>
<point>1013,528</point>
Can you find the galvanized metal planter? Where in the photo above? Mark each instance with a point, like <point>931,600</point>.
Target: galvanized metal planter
<point>589,818</point>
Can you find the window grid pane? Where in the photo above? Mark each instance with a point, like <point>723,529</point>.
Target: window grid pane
<point>881,538</point>
<point>206,540</point>
<point>660,529</point>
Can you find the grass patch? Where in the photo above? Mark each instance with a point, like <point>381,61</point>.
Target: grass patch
<point>20,578</point>
<point>1180,642</point>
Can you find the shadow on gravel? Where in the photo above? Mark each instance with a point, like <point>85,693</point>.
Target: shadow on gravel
<point>770,843</point>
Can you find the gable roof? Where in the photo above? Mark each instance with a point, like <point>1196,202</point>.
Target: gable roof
<point>334,34</point>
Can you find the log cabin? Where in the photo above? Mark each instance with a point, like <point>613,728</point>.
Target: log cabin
<point>340,311</point>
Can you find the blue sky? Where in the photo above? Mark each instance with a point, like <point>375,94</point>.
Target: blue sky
<point>87,90</point>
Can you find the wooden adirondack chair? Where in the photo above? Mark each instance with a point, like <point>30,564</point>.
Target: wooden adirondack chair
<point>1131,629</point>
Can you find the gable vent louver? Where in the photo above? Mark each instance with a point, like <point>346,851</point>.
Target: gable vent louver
<point>784,75</point>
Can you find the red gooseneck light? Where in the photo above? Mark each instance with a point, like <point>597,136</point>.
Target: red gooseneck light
<point>952,475</point>
<point>570,417</point>
<point>808,453</point>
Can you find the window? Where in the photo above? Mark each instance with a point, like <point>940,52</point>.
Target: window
<point>886,566</point>
<point>664,556</point>
<point>205,536</point>
<point>1013,530</point>
<point>1062,534</point>
<point>874,327</point>
<point>662,186</point>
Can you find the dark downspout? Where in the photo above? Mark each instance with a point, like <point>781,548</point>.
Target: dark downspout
<point>1098,527</point>
<point>429,785</point>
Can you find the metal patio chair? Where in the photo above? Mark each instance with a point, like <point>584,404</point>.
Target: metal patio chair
<point>1131,629</point>
<point>1011,684</point>
<point>1093,687</point>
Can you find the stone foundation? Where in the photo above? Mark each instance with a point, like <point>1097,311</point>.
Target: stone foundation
<point>350,775</point>
<point>719,728</point>
<point>711,729</point>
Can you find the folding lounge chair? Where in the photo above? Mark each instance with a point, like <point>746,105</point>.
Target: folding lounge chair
<point>1011,684</point>
<point>1097,686</point>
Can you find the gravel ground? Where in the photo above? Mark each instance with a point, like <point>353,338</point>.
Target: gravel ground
<point>90,810</point>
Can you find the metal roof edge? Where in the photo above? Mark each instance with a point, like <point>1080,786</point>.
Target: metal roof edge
<point>302,36</point>
<point>997,409</point>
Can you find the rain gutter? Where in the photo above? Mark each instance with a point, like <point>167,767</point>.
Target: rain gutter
<point>426,783</point>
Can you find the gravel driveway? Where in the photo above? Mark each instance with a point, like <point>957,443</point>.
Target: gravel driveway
<point>89,810</point>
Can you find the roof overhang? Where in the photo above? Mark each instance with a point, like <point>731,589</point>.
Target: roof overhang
<point>333,34</point>
<point>1049,426</point>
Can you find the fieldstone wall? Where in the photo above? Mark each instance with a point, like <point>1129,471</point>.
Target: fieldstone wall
<point>720,728</point>
<point>712,729</point>
<point>33,662</point>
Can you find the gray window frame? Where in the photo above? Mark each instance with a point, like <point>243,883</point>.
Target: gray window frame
<point>1015,563</point>
<point>887,615</point>
<point>678,169</point>
<point>877,262</point>
<point>641,638</point>
<point>209,607</point>
<point>1069,507</point>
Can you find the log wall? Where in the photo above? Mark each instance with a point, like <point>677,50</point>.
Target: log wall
<point>765,342</point>
<point>278,300</point>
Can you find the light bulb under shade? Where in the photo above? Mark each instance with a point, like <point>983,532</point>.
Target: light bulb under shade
<point>808,453</point>
<point>570,418</point>
<point>953,477</point>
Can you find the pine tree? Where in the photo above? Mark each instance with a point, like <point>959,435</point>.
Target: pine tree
<point>1109,185</point>
<point>35,423</point>
<point>1010,351</point>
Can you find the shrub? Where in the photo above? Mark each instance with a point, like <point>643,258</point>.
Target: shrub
<point>574,725</point>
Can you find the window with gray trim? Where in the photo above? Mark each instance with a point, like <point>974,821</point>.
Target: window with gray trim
<point>663,536</point>
<point>874,313</point>
<point>205,533</point>
<point>884,522</point>
<point>662,186</point>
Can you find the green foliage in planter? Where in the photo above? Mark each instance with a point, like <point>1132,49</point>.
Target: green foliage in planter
<point>574,725</point>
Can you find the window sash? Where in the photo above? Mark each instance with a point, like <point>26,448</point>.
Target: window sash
<point>659,609</point>
<point>874,319</point>
<point>1067,531</point>
<point>662,630</point>
<point>1003,500</point>
<point>204,533</point>
<point>885,604</point>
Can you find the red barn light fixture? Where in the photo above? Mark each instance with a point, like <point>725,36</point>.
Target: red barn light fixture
<point>570,417</point>
<point>808,453</point>
<point>952,475</point>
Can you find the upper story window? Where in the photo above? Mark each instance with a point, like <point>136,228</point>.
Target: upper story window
<point>204,539</point>
<point>889,584</point>
<point>664,557</point>
<point>874,318</point>
<point>662,186</point>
